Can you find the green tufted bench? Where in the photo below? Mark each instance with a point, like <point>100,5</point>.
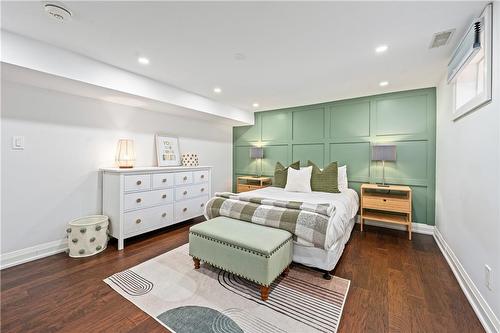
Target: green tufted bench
<point>249,250</point>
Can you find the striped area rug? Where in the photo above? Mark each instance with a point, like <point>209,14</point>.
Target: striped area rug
<point>208,300</point>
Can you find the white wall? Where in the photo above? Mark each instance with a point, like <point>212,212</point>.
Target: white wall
<point>468,182</point>
<point>68,138</point>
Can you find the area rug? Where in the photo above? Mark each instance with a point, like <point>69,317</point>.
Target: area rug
<point>186,300</point>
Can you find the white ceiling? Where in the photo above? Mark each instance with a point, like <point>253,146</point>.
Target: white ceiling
<point>296,53</point>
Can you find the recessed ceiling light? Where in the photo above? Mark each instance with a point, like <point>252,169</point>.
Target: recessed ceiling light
<point>383,83</point>
<point>381,48</point>
<point>143,60</point>
<point>255,105</point>
<point>217,90</point>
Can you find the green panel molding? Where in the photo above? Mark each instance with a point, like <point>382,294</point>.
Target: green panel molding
<point>308,125</point>
<point>313,152</point>
<point>350,120</point>
<point>345,131</point>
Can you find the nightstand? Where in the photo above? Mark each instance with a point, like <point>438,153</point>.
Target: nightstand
<point>250,183</point>
<point>390,204</point>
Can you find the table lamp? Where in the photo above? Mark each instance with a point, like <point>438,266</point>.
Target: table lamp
<point>385,152</point>
<point>125,153</point>
<point>257,153</point>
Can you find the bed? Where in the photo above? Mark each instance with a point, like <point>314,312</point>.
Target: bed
<point>339,229</point>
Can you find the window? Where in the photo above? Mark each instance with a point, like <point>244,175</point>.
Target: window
<point>472,81</point>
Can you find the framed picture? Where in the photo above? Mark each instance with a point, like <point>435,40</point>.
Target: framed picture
<point>167,150</point>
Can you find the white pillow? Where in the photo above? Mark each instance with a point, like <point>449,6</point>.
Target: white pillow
<point>299,180</point>
<point>342,177</point>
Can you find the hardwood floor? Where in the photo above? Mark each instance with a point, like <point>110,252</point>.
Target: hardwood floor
<point>396,286</point>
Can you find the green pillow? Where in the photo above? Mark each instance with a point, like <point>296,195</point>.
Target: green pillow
<point>326,180</point>
<point>281,173</point>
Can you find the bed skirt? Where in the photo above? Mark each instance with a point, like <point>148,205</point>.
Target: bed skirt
<point>320,258</point>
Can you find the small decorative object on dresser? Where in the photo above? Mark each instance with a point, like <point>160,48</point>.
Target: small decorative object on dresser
<point>125,153</point>
<point>391,204</point>
<point>190,159</point>
<point>250,183</point>
<point>167,151</point>
<point>87,235</point>
<point>144,199</point>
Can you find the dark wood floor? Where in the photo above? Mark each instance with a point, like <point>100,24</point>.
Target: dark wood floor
<point>396,286</point>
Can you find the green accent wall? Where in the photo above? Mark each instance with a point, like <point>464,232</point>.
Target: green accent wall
<point>344,131</point>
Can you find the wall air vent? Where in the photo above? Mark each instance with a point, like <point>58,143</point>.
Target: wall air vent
<point>441,38</point>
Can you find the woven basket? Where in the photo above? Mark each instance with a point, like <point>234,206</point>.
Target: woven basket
<point>87,235</point>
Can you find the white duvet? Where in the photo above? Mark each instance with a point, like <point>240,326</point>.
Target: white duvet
<point>346,206</point>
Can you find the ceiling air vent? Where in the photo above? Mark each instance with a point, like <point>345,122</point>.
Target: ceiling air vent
<point>441,38</point>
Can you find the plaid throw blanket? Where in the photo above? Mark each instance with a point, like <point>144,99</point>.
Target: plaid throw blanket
<point>304,220</point>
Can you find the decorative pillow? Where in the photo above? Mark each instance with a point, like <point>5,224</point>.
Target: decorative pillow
<point>280,173</point>
<point>325,180</point>
<point>342,178</point>
<point>299,180</point>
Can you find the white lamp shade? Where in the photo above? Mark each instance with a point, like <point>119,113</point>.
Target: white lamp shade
<point>125,153</point>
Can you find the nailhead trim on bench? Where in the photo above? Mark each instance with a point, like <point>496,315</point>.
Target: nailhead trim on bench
<point>242,248</point>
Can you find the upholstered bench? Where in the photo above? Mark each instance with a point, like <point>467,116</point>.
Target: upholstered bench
<point>249,250</point>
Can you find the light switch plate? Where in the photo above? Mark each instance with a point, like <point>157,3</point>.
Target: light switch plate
<point>17,142</point>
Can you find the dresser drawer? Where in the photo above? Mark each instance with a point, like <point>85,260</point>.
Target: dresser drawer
<point>386,203</point>
<point>163,180</point>
<point>190,208</point>
<point>137,182</point>
<point>183,178</point>
<point>147,199</point>
<point>145,219</point>
<point>161,197</point>
<point>200,176</point>
<point>188,192</point>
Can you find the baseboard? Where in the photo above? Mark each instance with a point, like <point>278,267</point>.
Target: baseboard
<point>32,253</point>
<point>418,228</point>
<point>483,311</point>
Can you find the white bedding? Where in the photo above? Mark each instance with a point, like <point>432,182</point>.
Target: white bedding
<point>346,206</point>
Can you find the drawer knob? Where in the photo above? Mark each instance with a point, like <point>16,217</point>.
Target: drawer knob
<point>202,176</point>
<point>202,189</point>
<point>202,205</point>
<point>138,200</point>
<point>138,221</point>
<point>164,196</point>
<point>185,192</point>
<point>139,182</point>
<point>164,214</point>
<point>184,209</point>
<point>385,200</point>
<point>164,180</point>
<point>185,178</point>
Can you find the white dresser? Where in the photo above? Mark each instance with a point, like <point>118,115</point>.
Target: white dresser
<point>139,200</point>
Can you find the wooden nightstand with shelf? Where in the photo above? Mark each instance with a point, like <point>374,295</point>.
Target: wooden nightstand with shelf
<point>389,204</point>
<point>250,183</point>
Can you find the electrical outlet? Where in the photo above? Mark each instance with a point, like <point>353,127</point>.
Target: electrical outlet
<point>17,142</point>
<point>487,277</point>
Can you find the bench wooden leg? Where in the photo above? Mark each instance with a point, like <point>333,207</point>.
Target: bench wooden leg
<point>196,263</point>
<point>264,293</point>
<point>285,272</point>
